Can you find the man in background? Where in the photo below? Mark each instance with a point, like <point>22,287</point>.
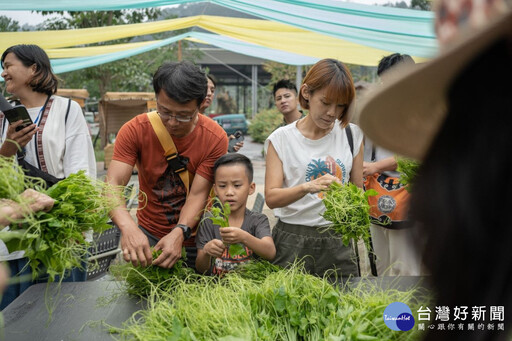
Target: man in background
<point>287,102</point>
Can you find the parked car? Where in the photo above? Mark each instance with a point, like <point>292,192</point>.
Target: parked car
<point>233,122</point>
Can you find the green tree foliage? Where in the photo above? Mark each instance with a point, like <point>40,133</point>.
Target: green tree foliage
<point>424,5</point>
<point>73,20</point>
<point>282,71</point>
<point>362,73</point>
<point>264,123</point>
<point>8,24</point>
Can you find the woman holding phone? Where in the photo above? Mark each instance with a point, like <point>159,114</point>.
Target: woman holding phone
<point>57,143</point>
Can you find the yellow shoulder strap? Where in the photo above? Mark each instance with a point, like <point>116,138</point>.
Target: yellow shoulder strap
<point>167,143</point>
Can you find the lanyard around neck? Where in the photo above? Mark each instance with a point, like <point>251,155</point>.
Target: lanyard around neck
<point>39,115</point>
<point>42,110</point>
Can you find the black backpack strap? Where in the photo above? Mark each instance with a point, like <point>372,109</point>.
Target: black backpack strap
<point>67,111</point>
<point>350,138</point>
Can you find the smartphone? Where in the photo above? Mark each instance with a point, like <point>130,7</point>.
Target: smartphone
<point>239,137</point>
<point>17,113</point>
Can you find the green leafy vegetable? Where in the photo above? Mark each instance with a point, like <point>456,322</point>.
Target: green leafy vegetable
<point>142,281</point>
<point>12,179</point>
<point>408,169</point>
<point>220,216</point>
<point>256,271</point>
<point>288,304</point>
<point>347,208</point>
<point>54,242</point>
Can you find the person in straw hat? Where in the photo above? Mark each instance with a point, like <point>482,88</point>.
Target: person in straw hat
<point>454,114</point>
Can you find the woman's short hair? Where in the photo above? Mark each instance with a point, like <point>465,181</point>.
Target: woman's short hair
<point>44,80</point>
<point>336,78</point>
<point>212,79</point>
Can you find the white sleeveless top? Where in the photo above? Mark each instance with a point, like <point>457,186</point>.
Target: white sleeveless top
<point>305,160</point>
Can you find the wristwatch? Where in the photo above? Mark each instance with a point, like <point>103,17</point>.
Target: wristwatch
<point>186,230</point>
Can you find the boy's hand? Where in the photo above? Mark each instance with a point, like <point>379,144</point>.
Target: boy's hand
<point>233,235</point>
<point>215,248</point>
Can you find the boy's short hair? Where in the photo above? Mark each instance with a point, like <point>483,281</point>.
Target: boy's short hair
<point>286,84</point>
<point>233,159</point>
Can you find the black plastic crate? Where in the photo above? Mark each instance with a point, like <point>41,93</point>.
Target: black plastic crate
<point>98,265</point>
<point>105,241</point>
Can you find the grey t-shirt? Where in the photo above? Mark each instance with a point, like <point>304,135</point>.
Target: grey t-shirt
<point>255,223</point>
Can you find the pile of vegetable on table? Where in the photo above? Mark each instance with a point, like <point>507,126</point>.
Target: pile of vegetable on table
<point>259,301</point>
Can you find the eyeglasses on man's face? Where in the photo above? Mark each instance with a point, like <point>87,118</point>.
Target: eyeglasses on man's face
<point>184,118</point>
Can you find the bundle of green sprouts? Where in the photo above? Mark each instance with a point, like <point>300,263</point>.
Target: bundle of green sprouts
<point>220,216</point>
<point>408,169</point>
<point>12,180</point>
<point>347,208</point>
<point>54,242</point>
<point>286,305</point>
<point>141,281</point>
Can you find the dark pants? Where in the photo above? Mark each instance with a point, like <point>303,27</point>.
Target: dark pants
<point>191,251</point>
<point>320,251</point>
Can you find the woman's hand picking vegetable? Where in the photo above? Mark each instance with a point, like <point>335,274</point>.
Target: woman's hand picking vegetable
<point>232,235</point>
<point>38,201</point>
<point>215,247</point>
<point>171,246</point>
<point>135,246</point>
<point>320,184</point>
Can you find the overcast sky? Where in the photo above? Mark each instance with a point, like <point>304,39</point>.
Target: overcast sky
<point>27,17</point>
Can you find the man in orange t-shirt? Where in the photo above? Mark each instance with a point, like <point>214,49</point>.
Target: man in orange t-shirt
<point>169,216</point>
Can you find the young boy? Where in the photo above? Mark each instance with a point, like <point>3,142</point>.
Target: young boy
<point>233,175</point>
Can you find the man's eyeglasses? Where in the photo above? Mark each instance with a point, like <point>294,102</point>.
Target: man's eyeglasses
<point>183,119</point>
